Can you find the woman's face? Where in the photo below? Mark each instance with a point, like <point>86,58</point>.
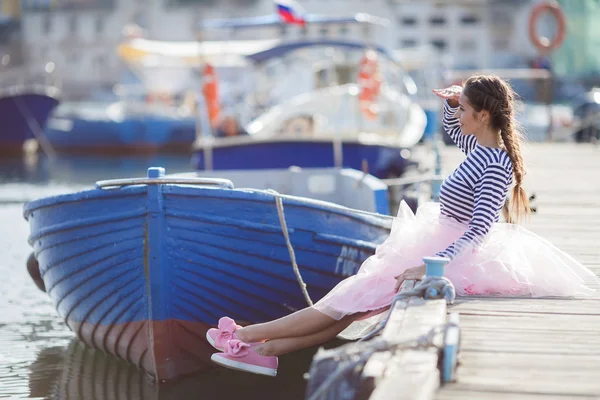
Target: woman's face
<point>470,120</point>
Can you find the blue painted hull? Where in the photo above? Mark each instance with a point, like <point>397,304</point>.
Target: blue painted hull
<point>18,114</point>
<point>142,272</point>
<point>132,135</point>
<point>381,161</point>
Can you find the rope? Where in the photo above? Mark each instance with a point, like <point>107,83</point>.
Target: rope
<point>424,341</point>
<point>284,228</point>
<point>432,287</point>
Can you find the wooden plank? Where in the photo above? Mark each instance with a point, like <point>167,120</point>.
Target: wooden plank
<point>408,374</point>
<point>411,375</point>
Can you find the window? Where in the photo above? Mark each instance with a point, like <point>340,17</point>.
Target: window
<point>324,32</point>
<point>502,18</point>
<point>501,44</point>
<point>437,21</point>
<point>408,42</point>
<point>467,45</point>
<point>469,20</point>
<point>408,21</point>
<point>439,44</point>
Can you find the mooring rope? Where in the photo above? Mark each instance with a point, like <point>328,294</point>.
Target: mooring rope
<point>424,341</point>
<point>288,242</point>
<point>432,287</point>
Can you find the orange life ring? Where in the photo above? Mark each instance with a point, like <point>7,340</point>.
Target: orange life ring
<point>543,44</point>
<point>210,91</point>
<point>369,82</point>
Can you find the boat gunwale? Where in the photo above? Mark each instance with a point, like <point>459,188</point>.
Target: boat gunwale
<point>260,195</point>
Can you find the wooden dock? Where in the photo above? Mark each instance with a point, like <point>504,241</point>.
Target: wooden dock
<point>539,349</point>
<point>511,348</point>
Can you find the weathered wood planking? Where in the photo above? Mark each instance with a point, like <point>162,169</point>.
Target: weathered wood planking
<point>534,349</point>
<point>408,374</point>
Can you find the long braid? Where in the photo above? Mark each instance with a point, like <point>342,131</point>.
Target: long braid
<point>519,204</point>
<point>497,97</point>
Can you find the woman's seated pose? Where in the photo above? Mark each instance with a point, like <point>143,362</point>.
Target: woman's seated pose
<point>485,257</point>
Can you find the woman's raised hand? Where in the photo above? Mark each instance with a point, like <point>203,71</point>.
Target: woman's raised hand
<point>451,94</point>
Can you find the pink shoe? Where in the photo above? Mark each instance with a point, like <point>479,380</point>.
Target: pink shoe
<point>218,337</point>
<point>242,357</point>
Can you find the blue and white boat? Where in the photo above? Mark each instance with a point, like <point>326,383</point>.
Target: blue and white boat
<point>305,109</point>
<point>153,110</point>
<point>141,268</point>
<point>119,128</point>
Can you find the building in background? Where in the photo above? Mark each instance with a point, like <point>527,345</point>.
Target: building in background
<point>11,53</point>
<point>579,56</point>
<point>81,37</point>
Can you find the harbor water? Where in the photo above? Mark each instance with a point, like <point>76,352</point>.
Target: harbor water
<point>40,357</point>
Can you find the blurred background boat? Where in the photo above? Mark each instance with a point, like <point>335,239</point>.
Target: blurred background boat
<point>27,97</point>
<point>153,108</point>
<point>317,103</point>
<point>121,127</point>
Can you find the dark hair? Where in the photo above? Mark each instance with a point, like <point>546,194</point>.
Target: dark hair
<point>494,95</point>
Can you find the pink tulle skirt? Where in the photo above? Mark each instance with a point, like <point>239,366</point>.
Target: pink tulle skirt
<point>512,262</point>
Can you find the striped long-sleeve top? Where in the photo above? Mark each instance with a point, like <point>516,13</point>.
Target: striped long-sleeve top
<point>475,192</point>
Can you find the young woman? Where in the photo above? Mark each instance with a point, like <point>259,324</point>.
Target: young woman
<point>485,257</point>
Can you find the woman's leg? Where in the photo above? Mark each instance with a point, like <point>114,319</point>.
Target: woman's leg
<point>300,323</point>
<point>286,345</point>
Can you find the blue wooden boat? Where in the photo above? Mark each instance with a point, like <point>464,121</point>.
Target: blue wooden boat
<point>140,268</point>
<point>24,111</point>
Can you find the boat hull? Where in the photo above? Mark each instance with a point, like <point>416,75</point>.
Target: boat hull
<point>380,160</point>
<point>145,135</point>
<point>143,271</point>
<point>20,114</point>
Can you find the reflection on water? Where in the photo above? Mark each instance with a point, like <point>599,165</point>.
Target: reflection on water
<point>80,372</point>
<point>39,357</point>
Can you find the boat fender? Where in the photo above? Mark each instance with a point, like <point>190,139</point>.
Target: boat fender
<point>542,43</point>
<point>33,267</point>
<point>369,82</point>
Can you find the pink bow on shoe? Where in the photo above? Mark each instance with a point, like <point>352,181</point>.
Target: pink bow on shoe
<point>236,348</point>
<point>225,331</point>
<point>226,327</point>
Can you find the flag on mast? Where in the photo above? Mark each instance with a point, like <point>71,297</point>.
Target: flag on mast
<point>290,12</point>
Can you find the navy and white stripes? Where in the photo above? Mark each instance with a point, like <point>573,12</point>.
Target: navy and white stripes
<point>476,191</point>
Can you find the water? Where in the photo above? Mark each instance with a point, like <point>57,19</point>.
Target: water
<point>39,357</point>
